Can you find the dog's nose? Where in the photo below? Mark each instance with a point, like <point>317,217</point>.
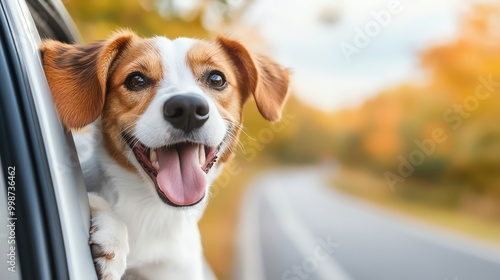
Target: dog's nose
<point>186,111</point>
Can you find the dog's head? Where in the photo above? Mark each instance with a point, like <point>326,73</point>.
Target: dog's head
<point>176,104</point>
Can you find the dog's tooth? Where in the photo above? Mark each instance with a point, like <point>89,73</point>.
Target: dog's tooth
<point>156,165</point>
<point>201,154</point>
<point>153,156</point>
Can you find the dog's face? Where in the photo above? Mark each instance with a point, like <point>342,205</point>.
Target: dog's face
<point>169,108</point>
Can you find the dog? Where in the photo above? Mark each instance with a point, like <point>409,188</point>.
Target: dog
<point>167,114</point>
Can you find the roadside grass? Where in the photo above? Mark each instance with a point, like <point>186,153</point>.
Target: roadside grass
<point>374,190</point>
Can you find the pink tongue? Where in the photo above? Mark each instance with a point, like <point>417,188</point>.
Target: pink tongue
<point>180,176</point>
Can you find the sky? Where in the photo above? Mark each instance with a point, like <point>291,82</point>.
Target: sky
<point>331,70</point>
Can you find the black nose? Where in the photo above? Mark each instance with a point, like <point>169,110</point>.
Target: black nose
<point>186,111</point>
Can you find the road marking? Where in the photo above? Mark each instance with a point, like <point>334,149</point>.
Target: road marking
<point>252,267</point>
<point>296,231</point>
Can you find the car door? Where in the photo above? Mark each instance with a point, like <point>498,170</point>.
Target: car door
<point>44,194</point>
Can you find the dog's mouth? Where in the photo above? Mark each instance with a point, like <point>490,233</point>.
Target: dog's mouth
<point>178,171</point>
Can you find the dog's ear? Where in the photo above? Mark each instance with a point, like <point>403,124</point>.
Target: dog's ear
<point>260,76</point>
<point>78,74</point>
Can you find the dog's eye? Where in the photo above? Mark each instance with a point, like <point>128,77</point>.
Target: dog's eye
<point>216,80</point>
<point>136,81</point>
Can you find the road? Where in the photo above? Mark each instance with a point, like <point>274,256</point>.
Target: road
<point>294,226</point>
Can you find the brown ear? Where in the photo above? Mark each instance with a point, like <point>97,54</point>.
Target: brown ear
<point>77,76</point>
<point>260,76</point>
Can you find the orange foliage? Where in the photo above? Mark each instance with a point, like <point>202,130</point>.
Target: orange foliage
<point>388,125</point>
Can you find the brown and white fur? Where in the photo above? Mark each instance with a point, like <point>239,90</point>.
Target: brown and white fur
<point>142,228</point>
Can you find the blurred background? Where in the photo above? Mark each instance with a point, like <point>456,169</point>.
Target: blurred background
<point>388,154</point>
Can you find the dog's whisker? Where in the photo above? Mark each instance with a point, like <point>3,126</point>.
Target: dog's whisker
<point>243,130</point>
<point>231,134</point>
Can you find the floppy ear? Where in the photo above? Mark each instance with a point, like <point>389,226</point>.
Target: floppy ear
<point>77,76</point>
<point>260,76</point>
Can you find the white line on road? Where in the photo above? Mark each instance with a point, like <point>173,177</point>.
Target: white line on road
<point>297,232</point>
<point>251,266</point>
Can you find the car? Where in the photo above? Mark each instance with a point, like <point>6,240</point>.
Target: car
<point>43,201</point>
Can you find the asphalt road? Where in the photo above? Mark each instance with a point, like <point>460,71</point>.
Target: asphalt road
<point>295,227</point>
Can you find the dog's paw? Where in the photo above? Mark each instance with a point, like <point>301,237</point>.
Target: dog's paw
<point>108,240</point>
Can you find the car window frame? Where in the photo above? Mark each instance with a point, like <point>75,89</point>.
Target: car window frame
<point>64,214</point>
<point>35,225</point>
